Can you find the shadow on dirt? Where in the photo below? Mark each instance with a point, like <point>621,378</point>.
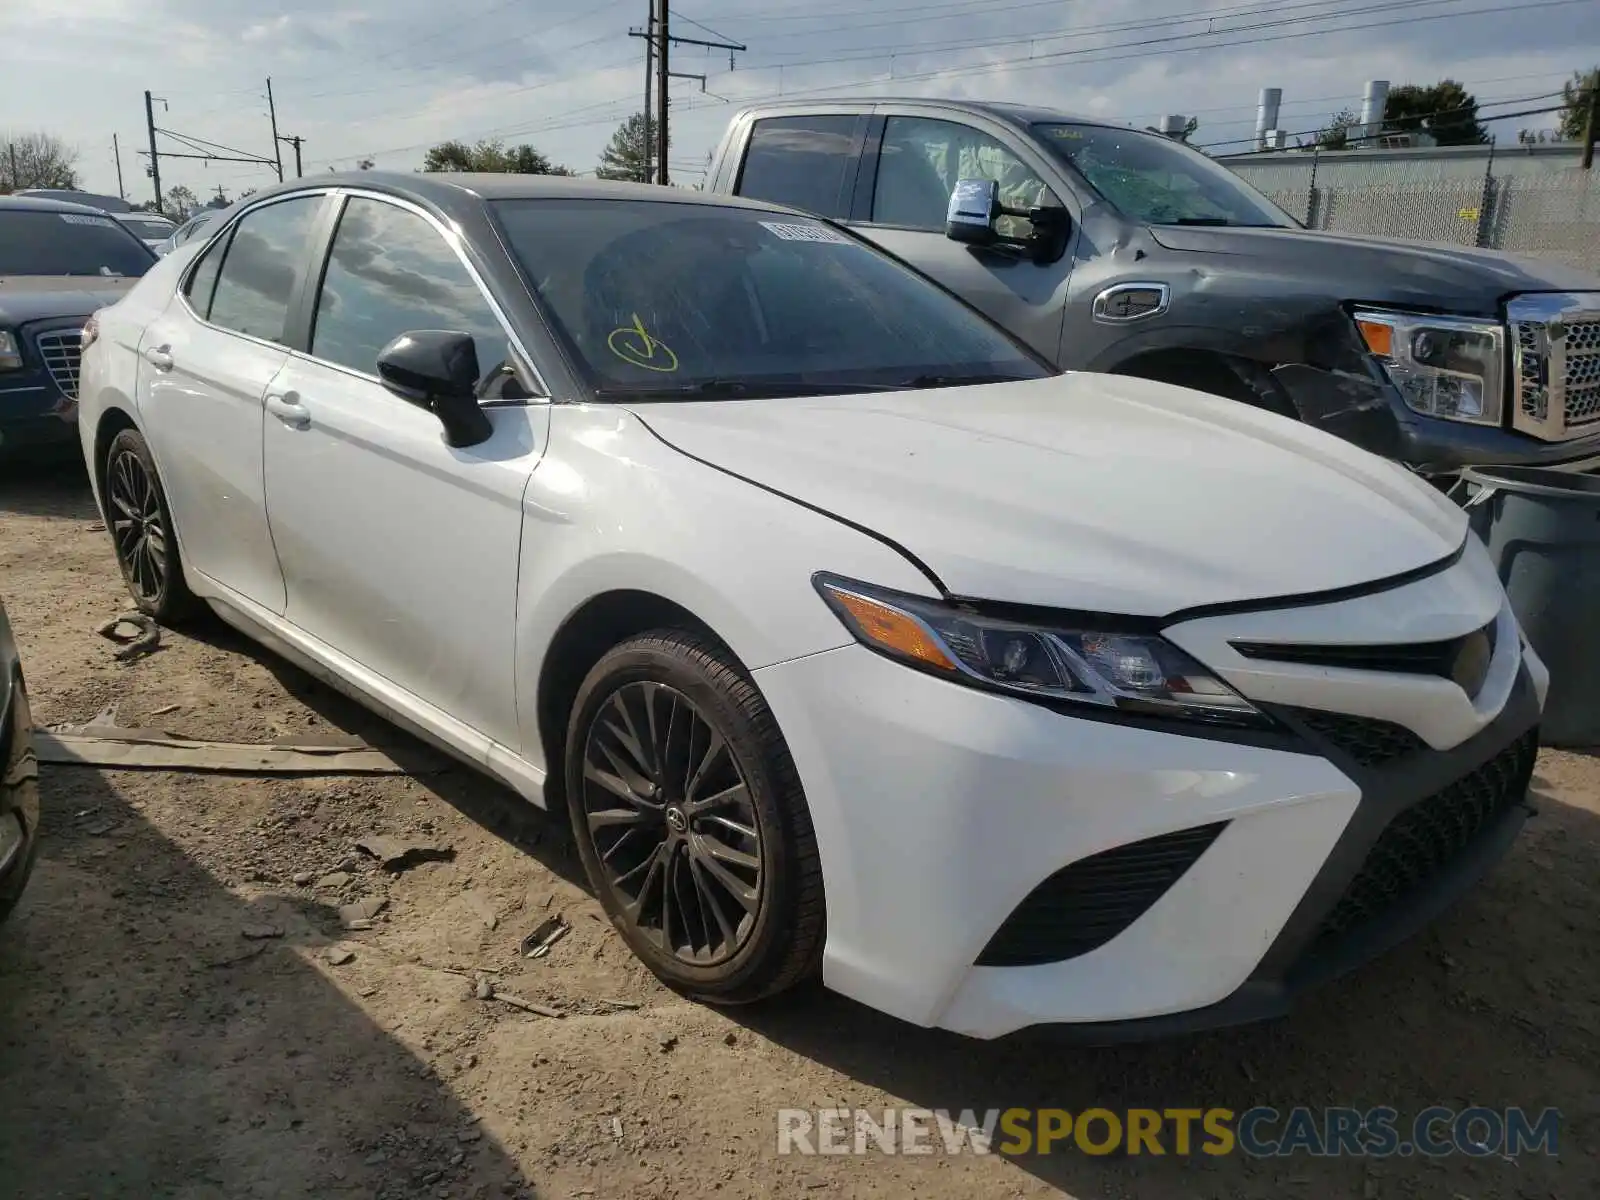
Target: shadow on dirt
<point>206,1055</point>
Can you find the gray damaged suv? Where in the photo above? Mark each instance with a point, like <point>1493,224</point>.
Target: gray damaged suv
<point>1110,249</point>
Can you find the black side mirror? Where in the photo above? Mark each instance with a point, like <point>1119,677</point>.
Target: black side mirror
<point>437,369</point>
<point>974,208</point>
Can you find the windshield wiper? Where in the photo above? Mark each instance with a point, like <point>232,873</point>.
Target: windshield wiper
<point>1221,223</point>
<point>715,389</point>
<point>937,381</point>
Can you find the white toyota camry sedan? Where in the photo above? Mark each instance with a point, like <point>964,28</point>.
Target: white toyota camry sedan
<point>857,642</point>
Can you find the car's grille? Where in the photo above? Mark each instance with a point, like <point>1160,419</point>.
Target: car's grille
<point>1430,835</point>
<point>1372,743</point>
<point>1087,903</point>
<point>61,350</point>
<point>1443,658</point>
<point>1556,360</point>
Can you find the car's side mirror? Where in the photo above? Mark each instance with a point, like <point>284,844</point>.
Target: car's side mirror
<point>437,369</point>
<point>975,207</point>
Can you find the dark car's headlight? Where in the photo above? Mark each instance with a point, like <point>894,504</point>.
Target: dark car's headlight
<point>10,352</point>
<point>1450,367</point>
<point>1105,668</point>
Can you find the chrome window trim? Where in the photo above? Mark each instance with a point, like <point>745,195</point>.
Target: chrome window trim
<point>1108,294</point>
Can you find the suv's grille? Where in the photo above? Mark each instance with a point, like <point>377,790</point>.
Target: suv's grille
<point>61,350</point>
<point>1087,903</point>
<point>1427,837</point>
<point>1556,352</point>
<point>1372,743</point>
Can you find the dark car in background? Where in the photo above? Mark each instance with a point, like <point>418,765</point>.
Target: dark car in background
<point>1119,250</point>
<point>59,262</point>
<point>19,776</point>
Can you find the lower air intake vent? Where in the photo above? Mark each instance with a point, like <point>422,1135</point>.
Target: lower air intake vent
<point>1427,837</point>
<point>1086,904</point>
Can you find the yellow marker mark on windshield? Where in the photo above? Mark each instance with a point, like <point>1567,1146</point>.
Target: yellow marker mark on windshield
<point>634,346</point>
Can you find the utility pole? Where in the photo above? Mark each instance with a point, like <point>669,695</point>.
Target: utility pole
<point>1591,125</point>
<point>155,158</point>
<point>272,115</point>
<point>662,76</point>
<point>116,152</point>
<point>294,141</point>
<point>649,82</point>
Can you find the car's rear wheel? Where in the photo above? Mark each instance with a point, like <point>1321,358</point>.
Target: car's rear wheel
<point>140,524</point>
<point>691,822</point>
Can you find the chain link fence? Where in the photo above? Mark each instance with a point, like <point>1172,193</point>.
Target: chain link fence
<point>1550,212</point>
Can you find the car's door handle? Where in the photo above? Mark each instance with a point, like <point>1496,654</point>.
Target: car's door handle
<point>287,408</point>
<point>159,357</point>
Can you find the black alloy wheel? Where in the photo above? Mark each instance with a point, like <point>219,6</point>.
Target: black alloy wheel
<point>140,524</point>
<point>691,822</point>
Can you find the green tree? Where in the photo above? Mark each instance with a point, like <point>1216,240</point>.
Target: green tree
<point>490,155</point>
<point>629,151</point>
<point>180,203</point>
<point>36,160</point>
<point>1446,110</point>
<point>1336,134</point>
<point>1575,97</point>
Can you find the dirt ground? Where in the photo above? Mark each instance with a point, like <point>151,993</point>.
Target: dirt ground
<point>148,1048</point>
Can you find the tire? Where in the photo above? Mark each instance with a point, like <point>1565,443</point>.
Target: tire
<point>142,534</point>
<point>662,724</point>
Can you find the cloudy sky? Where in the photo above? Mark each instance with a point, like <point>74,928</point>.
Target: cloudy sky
<point>360,78</point>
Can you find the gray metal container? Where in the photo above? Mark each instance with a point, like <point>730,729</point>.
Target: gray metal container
<point>1542,528</point>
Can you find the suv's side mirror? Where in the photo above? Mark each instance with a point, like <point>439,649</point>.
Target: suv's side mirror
<point>437,369</point>
<point>975,206</point>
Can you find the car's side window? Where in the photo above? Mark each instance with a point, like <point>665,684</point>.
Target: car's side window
<point>921,161</point>
<point>390,272</point>
<point>203,280</point>
<point>801,162</point>
<point>256,284</point>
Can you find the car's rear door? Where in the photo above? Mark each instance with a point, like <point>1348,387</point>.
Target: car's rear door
<point>204,368</point>
<point>398,551</point>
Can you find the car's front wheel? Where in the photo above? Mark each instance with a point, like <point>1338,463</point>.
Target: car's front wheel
<point>691,821</point>
<point>140,524</point>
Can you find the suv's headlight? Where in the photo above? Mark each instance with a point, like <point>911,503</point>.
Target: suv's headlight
<point>1108,668</point>
<point>1451,367</point>
<point>10,352</point>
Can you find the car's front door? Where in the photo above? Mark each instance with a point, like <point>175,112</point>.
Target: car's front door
<point>204,368</point>
<point>398,551</point>
<point>911,166</point>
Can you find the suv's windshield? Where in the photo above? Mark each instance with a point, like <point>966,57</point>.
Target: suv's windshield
<point>691,300</point>
<point>61,243</point>
<point>1157,181</point>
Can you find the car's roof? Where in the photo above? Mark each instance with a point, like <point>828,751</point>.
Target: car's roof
<point>41,204</point>
<point>1017,114</point>
<point>449,190</point>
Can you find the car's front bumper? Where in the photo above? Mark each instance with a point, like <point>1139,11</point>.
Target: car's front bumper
<point>941,812</point>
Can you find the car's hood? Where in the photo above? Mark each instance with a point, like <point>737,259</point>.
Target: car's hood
<point>38,297</point>
<point>1092,492</point>
<point>1388,270</point>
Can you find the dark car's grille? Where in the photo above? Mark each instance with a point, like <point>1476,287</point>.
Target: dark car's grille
<point>1372,743</point>
<point>61,350</point>
<point>1427,837</point>
<point>1459,658</point>
<point>1087,903</point>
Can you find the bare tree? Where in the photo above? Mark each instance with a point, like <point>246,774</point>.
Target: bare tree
<point>36,160</point>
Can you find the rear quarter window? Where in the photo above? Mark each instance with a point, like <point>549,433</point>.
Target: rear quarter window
<point>803,162</point>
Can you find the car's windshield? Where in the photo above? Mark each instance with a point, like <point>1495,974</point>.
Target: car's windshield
<point>63,243</point>
<point>1157,181</point>
<point>148,227</point>
<point>662,299</point>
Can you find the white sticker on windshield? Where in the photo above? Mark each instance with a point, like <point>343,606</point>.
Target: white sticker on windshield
<point>806,233</point>
<point>75,219</point>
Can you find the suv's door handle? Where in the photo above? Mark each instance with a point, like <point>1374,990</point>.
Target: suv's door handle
<point>287,408</point>
<point>159,357</point>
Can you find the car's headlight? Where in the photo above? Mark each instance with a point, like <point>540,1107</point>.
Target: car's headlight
<point>10,352</point>
<point>1451,367</point>
<point>1107,668</point>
